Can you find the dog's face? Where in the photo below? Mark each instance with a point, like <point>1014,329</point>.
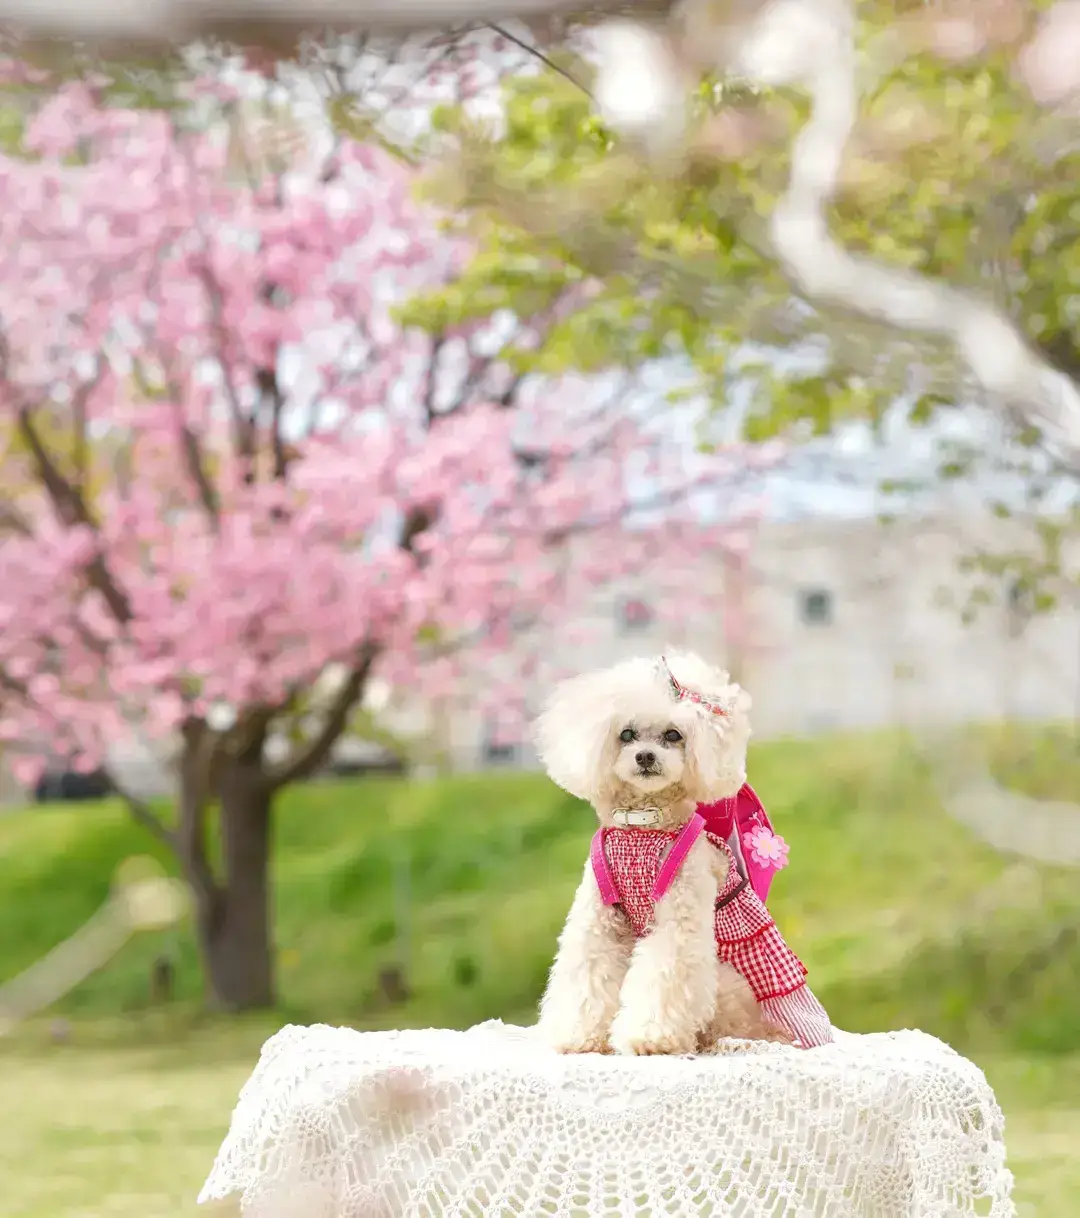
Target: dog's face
<point>623,727</point>
<point>651,754</point>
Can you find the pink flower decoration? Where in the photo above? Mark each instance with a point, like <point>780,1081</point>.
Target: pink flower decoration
<point>767,849</point>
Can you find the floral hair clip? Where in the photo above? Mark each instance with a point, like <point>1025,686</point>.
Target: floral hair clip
<point>681,693</point>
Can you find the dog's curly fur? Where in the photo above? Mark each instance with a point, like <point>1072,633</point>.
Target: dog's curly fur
<point>667,992</point>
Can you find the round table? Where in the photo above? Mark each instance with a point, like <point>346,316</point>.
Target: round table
<point>335,1123</point>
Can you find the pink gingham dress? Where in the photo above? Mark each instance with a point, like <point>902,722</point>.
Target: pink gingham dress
<point>629,868</point>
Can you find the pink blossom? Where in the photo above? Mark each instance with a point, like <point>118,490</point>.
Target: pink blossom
<point>226,561</point>
<point>766,848</point>
<point>27,770</point>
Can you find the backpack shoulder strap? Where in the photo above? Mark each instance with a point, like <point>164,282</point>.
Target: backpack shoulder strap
<point>609,893</point>
<point>680,848</point>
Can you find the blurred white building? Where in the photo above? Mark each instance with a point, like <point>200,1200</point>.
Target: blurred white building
<point>846,624</point>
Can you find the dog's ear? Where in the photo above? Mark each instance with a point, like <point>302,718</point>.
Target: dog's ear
<point>573,735</point>
<point>716,749</point>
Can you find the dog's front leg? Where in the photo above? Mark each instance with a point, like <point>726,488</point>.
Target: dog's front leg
<point>582,995</point>
<point>670,990</point>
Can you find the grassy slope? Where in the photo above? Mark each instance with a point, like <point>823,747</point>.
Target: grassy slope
<point>466,881</point>
<point>901,917</point>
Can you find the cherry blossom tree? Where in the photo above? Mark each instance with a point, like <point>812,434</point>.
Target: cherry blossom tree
<point>230,467</point>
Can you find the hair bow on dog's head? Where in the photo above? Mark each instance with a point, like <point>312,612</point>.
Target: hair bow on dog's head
<point>714,706</point>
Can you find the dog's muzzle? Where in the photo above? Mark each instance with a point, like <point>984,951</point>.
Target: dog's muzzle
<point>636,818</point>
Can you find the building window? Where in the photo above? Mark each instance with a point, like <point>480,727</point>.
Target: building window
<point>496,748</point>
<point>634,615</point>
<point>499,752</point>
<point>816,607</point>
<point>1020,598</point>
<point>1020,606</point>
<point>820,721</point>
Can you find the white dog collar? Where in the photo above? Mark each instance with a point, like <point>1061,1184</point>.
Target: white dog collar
<point>636,818</point>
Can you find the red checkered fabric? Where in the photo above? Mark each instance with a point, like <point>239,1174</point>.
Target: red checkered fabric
<point>635,857</point>
<point>746,936</point>
<point>802,1015</point>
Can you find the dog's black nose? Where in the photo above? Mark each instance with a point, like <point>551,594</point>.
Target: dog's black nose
<point>645,759</point>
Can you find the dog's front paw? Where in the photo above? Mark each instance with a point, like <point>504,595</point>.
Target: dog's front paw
<point>648,1046</point>
<point>651,1039</point>
<point>573,1040</point>
<point>582,1046</point>
<point>775,1034</point>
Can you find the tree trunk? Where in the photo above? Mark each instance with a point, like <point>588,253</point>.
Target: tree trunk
<point>232,913</point>
<point>239,952</point>
<point>233,900</point>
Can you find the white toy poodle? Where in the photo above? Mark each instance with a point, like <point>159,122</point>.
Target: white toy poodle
<point>666,949</point>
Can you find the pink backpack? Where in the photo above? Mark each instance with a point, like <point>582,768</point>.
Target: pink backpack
<point>742,822</point>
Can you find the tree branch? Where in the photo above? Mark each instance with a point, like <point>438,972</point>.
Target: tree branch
<point>190,449</point>
<point>270,390</point>
<point>430,385</point>
<point>72,510</point>
<point>1062,352</point>
<point>824,58</point>
<point>193,458</point>
<point>14,686</point>
<point>277,26</point>
<point>141,814</point>
<point>506,399</point>
<point>12,519</point>
<point>243,427</point>
<point>247,739</point>
<point>81,447</point>
<point>315,752</point>
<point>418,521</point>
<point>195,792</point>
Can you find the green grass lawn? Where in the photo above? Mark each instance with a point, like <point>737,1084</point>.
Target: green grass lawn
<point>901,917</point>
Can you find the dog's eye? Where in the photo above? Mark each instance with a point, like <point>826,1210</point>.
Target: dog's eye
<point>627,734</point>
<point>672,736</point>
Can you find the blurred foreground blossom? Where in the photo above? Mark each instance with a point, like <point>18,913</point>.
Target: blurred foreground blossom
<point>640,88</point>
<point>275,25</point>
<point>1050,62</point>
<point>143,898</point>
<point>813,45</point>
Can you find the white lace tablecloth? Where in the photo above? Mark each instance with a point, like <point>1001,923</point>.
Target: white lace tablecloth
<point>335,1123</point>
